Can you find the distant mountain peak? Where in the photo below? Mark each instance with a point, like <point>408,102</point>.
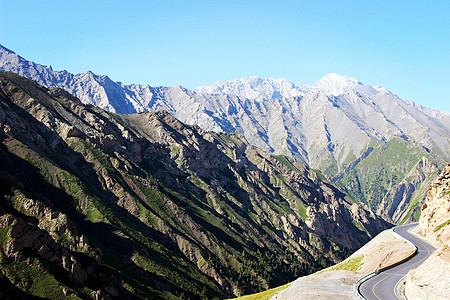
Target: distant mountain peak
<point>339,78</point>
<point>254,87</point>
<point>4,49</point>
<point>336,85</point>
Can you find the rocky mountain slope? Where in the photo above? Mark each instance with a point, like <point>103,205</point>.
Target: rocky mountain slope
<point>95,205</point>
<point>434,220</point>
<point>430,280</point>
<point>382,150</point>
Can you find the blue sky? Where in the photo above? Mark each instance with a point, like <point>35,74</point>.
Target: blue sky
<point>401,45</point>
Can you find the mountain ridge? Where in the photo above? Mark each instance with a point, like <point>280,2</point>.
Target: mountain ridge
<point>332,125</point>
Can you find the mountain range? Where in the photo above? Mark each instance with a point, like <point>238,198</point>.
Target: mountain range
<point>380,149</point>
<point>99,205</point>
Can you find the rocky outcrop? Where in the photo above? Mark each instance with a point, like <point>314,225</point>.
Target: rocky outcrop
<point>142,204</point>
<point>430,280</point>
<point>434,221</point>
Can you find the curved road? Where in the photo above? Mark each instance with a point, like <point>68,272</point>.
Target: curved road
<point>382,286</point>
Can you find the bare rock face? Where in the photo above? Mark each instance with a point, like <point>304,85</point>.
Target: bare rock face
<point>435,218</point>
<point>22,236</point>
<point>430,280</point>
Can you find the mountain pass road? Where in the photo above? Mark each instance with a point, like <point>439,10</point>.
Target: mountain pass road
<point>382,286</point>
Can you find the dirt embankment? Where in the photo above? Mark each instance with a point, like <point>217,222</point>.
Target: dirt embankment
<point>337,281</point>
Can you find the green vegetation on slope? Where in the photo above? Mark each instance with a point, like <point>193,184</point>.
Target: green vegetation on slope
<point>440,226</point>
<point>382,177</point>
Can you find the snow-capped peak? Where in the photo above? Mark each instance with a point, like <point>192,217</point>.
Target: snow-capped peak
<point>254,87</point>
<point>335,84</point>
<point>333,77</point>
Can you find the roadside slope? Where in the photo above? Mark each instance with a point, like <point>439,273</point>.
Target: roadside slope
<point>337,281</point>
<point>431,279</point>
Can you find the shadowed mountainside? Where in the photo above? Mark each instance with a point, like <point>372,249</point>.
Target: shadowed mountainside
<point>95,204</point>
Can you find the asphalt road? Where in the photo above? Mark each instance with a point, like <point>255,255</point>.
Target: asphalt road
<point>382,286</point>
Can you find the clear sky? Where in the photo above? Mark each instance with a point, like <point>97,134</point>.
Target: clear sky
<point>401,45</point>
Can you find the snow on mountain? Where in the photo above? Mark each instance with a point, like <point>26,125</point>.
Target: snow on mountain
<point>335,85</point>
<point>274,114</point>
<point>254,87</point>
<point>282,123</point>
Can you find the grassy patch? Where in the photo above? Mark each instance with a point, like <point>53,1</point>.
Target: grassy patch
<point>266,294</point>
<point>32,278</point>
<point>351,264</point>
<point>439,227</point>
<point>202,262</point>
<point>351,157</point>
<point>40,164</point>
<point>358,225</point>
<point>282,159</point>
<point>320,175</point>
<point>301,209</point>
<point>4,232</point>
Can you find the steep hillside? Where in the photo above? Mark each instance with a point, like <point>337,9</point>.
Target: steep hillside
<point>340,126</point>
<point>96,204</point>
<point>392,179</point>
<point>430,280</point>
<point>434,220</point>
